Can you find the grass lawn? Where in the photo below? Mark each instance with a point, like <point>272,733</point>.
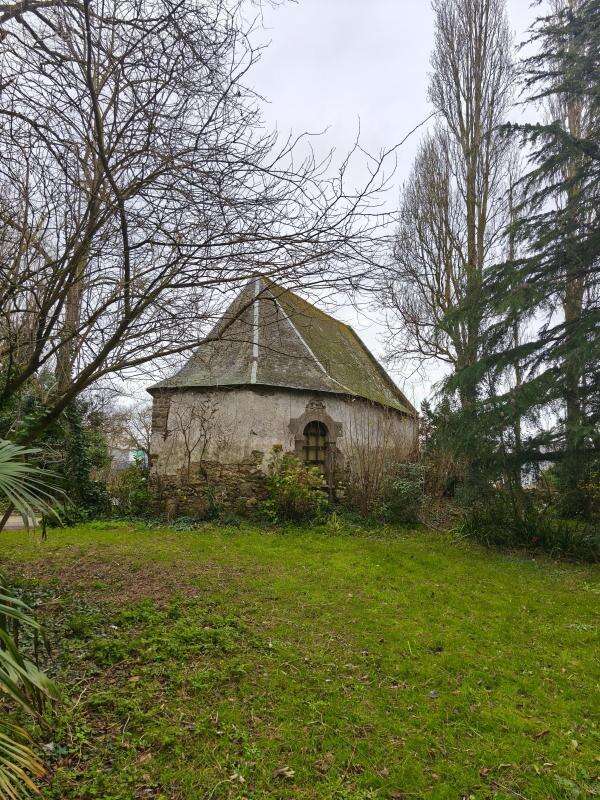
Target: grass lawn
<point>237,663</point>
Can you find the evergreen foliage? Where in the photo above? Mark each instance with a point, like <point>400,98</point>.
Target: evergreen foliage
<point>73,448</point>
<point>551,287</point>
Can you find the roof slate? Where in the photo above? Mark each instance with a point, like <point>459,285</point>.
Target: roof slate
<point>270,336</point>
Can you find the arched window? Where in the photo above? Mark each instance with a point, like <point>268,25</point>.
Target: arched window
<point>315,444</point>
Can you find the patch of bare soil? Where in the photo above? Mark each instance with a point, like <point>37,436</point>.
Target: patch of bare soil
<point>119,580</point>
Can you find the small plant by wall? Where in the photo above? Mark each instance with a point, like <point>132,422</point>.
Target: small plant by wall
<point>294,491</point>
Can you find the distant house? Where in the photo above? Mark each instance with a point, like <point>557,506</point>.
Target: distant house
<point>122,457</point>
<point>123,451</point>
<point>276,372</point>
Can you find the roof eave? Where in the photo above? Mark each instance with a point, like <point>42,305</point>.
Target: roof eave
<point>246,385</point>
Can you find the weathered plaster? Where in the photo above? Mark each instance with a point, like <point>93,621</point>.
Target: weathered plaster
<point>250,421</point>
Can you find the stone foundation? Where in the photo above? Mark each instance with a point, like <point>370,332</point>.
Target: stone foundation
<point>235,487</point>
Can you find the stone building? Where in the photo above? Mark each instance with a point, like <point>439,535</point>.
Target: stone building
<point>275,373</point>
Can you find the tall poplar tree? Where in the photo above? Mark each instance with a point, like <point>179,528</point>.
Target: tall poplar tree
<point>453,204</point>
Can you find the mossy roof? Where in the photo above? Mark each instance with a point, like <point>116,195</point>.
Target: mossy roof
<point>270,336</point>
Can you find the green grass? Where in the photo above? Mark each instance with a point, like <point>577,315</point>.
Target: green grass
<point>235,663</point>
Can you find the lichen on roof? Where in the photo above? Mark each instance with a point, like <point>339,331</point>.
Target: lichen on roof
<point>271,336</point>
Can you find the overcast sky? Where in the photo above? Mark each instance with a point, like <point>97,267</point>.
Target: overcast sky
<point>331,63</point>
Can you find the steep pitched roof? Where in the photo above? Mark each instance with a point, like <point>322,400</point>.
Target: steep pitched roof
<point>270,336</point>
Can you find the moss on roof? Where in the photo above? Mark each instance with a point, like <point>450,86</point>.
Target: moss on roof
<point>298,346</point>
<point>342,352</point>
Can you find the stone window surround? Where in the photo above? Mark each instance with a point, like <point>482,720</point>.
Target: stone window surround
<point>315,412</point>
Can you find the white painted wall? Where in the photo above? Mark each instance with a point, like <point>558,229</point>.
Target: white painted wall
<point>252,419</point>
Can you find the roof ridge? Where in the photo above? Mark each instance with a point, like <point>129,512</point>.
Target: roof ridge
<point>305,343</point>
<point>300,337</point>
<point>255,331</point>
<point>382,371</point>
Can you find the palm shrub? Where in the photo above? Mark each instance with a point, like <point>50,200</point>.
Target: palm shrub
<point>28,687</point>
<point>23,485</point>
<point>27,488</point>
<point>18,763</point>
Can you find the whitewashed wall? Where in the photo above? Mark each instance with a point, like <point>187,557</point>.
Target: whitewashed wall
<point>244,421</point>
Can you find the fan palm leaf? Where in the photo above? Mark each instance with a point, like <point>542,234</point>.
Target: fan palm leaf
<point>24,683</point>
<point>27,686</point>
<point>26,486</point>
<point>18,764</point>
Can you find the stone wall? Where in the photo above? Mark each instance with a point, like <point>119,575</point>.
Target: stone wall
<point>238,487</point>
<point>161,403</point>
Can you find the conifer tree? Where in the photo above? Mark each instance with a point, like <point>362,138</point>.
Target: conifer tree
<point>553,289</point>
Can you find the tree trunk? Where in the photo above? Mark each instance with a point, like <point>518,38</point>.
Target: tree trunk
<point>573,470</point>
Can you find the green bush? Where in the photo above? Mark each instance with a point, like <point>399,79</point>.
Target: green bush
<point>295,492</point>
<point>402,494</point>
<point>441,451</point>
<point>229,519</point>
<point>186,523</point>
<point>496,520</point>
<point>130,494</point>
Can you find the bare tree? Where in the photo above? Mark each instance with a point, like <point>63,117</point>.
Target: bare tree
<point>125,426</point>
<point>427,280</point>
<point>139,427</point>
<point>195,430</point>
<point>138,188</point>
<point>372,447</point>
<point>453,207</point>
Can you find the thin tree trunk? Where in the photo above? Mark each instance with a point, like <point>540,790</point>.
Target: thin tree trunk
<point>573,471</point>
<point>6,516</point>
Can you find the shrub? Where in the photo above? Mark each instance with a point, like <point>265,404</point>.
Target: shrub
<point>206,506</point>
<point>373,446</point>
<point>229,519</point>
<point>443,459</point>
<point>397,497</point>
<point>73,448</point>
<point>495,520</point>
<point>186,523</point>
<point>402,494</point>
<point>295,492</point>
<point>129,491</point>
<point>97,504</point>
<point>592,489</point>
